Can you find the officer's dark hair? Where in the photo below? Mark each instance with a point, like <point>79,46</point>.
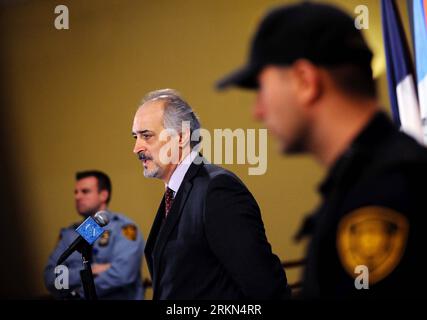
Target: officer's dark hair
<point>354,80</point>
<point>104,182</point>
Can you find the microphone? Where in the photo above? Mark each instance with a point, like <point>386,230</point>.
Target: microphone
<point>90,230</point>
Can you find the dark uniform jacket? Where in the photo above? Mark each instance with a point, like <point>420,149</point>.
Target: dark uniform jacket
<point>368,235</point>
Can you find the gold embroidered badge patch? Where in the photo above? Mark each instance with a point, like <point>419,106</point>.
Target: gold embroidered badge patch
<point>105,238</point>
<point>129,231</point>
<point>373,236</point>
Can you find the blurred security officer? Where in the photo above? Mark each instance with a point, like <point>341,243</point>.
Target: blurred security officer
<point>116,255</point>
<point>311,69</point>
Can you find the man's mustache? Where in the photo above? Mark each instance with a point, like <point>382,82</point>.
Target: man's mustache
<point>142,156</point>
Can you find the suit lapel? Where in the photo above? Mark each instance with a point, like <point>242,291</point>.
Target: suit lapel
<point>163,232</point>
<point>152,238</point>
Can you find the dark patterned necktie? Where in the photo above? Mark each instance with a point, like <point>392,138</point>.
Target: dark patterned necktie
<point>168,201</point>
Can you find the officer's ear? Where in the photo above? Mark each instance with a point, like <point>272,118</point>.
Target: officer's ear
<point>103,194</point>
<point>307,77</point>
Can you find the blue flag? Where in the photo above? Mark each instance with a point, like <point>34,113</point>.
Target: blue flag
<point>420,44</point>
<point>400,75</point>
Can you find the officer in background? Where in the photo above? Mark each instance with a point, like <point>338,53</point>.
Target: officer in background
<point>117,254</point>
<point>312,72</point>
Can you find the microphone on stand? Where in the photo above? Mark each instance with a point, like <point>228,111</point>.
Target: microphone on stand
<point>89,231</point>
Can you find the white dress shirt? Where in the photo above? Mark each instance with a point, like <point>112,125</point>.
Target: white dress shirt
<point>180,171</point>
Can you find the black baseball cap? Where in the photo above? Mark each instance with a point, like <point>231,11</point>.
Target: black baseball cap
<point>321,33</point>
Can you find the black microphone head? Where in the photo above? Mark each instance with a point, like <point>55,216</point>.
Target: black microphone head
<point>101,218</point>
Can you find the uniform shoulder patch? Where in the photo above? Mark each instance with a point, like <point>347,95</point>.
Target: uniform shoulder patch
<point>129,231</point>
<point>372,236</point>
<point>104,239</point>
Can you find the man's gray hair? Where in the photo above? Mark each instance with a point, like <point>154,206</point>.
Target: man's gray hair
<point>176,111</point>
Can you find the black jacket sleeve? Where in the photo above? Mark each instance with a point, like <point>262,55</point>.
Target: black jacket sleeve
<point>236,235</point>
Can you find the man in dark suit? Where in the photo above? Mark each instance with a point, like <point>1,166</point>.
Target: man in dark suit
<point>207,240</point>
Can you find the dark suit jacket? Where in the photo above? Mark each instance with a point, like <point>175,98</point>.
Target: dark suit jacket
<point>213,243</point>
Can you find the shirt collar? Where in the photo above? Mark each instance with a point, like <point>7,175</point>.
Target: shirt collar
<point>366,141</point>
<point>180,171</point>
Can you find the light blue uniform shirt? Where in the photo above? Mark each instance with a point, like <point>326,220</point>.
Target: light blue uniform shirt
<point>121,245</point>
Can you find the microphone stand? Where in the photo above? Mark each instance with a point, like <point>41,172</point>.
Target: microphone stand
<point>89,230</point>
<point>86,274</point>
